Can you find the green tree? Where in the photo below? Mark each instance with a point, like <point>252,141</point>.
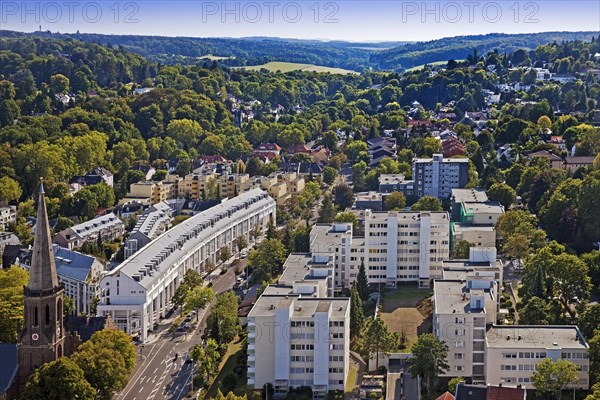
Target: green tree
<point>329,175</point>
<point>241,243</point>
<point>327,212</point>
<point>224,254</point>
<point>462,249</point>
<point>198,298</point>
<point>206,359</point>
<point>502,193</point>
<point>107,359</point>
<point>588,212</point>
<point>9,189</point>
<point>377,339</point>
<point>343,196</point>
<point>267,259</point>
<point>454,383</point>
<point>552,377</point>
<point>429,358</point>
<point>536,312</point>
<point>589,320</point>
<point>594,355</point>
<point>223,322</point>
<point>358,176</point>
<point>12,281</point>
<point>9,112</point>
<point>59,84</point>
<point>427,203</point>
<point>347,216</point>
<point>362,282</point>
<point>395,201</point>
<point>191,280</point>
<point>357,316</point>
<point>58,380</point>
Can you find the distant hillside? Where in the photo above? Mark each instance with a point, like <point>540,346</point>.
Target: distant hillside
<point>459,47</point>
<point>249,51</point>
<point>244,51</point>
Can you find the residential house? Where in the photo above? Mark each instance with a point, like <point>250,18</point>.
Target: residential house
<point>151,224</point>
<point>8,216</point>
<point>572,164</point>
<point>555,161</point>
<point>79,273</point>
<point>107,227</point>
<point>147,170</point>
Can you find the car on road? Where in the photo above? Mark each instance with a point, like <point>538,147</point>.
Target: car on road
<point>243,254</point>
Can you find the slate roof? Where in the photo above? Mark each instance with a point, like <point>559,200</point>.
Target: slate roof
<point>9,365</point>
<point>85,327</point>
<point>470,392</point>
<point>69,263</point>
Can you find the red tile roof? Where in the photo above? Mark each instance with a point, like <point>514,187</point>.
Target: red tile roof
<point>505,393</point>
<point>446,396</point>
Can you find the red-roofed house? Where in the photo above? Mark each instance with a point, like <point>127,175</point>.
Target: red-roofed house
<point>297,148</point>
<point>453,146</point>
<point>267,148</point>
<point>446,396</point>
<point>505,393</point>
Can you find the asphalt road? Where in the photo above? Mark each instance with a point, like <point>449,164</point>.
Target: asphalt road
<point>159,375</point>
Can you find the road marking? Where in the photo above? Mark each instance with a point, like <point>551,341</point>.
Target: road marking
<point>155,370</point>
<point>141,388</point>
<point>144,370</point>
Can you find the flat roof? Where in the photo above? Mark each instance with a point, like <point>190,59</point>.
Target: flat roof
<point>303,307</point>
<point>535,336</point>
<point>458,227</point>
<point>295,268</point>
<point>324,238</point>
<point>441,216</point>
<point>488,207</point>
<point>453,296</point>
<point>160,254</point>
<point>469,195</point>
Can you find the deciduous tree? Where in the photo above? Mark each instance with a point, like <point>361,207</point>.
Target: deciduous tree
<point>57,380</point>
<point>429,358</point>
<point>552,377</point>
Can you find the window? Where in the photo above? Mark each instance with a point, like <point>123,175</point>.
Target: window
<point>459,356</point>
<point>47,315</point>
<point>35,317</point>
<point>508,367</point>
<point>459,368</point>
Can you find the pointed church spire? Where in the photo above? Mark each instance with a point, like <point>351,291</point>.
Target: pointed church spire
<point>42,275</point>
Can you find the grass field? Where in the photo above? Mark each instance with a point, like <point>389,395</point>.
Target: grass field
<point>433,64</point>
<point>227,365</point>
<point>351,381</point>
<point>275,66</point>
<point>404,309</point>
<point>216,58</point>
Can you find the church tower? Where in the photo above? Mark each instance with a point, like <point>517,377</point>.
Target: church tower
<point>43,339</point>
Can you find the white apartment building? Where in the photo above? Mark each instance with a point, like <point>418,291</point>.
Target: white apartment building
<point>150,225</point>
<point>298,335</point>
<point>514,351</point>
<point>437,176</point>
<point>138,292</point>
<point>79,273</point>
<point>462,310</point>
<point>8,215</point>
<point>396,247</point>
<point>107,227</point>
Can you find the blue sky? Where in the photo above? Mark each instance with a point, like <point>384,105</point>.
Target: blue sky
<point>312,19</point>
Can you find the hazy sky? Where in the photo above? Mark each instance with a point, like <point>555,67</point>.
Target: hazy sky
<point>344,19</point>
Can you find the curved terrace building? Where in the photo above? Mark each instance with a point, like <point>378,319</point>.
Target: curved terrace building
<point>138,292</point>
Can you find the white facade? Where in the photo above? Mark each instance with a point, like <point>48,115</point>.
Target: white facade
<point>8,215</point>
<point>138,292</point>
<point>150,225</point>
<point>79,273</point>
<point>437,176</point>
<point>514,352</point>
<point>107,227</point>
<point>396,247</point>
<point>298,335</point>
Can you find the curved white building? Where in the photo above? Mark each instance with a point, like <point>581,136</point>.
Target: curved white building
<point>138,292</point>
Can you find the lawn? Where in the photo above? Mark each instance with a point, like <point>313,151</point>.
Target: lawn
<point>227,365</point>
<point>275,66</point>
<point>352,375</point>
<point>404,310</point>
<point>432,64</point>
<point>216,58</point>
